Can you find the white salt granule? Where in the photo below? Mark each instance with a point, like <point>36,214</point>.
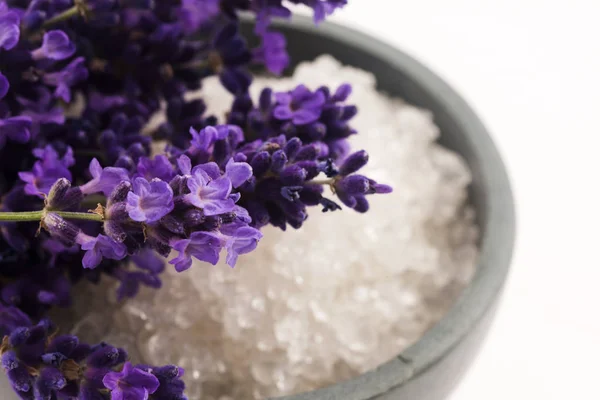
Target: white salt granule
<point>336,298</point>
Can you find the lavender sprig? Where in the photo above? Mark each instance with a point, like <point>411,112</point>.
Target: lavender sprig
<point>81,196</point>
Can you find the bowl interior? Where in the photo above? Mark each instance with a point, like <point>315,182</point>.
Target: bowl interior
<point>401,76</point>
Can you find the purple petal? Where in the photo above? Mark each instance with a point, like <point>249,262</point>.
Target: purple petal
<point>149,202</point>
<point>148,260</point>
<point>283,98</point>
<point>243,241</point>
<point>185,165</point>
<point>142,379</point>
<point>314,101</point>
<point>304,117</point>
<point>237,172</point>
<point>56,46</point>
<point>283,112</point>
<point>95,168</point>
<point>16,128</point>
<point>91,259</point>
<point>183,261</point>
<point>9,30</point>
<point>212,170</point>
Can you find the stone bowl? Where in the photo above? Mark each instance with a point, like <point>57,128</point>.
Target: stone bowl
<point>430,368</point>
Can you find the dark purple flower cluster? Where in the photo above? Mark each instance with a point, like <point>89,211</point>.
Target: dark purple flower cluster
<point>81,195</point>
<point>43,365</point>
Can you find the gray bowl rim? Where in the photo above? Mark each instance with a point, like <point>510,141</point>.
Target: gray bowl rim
<point>497,239</point>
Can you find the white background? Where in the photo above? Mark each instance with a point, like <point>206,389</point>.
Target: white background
<point>531,70</point>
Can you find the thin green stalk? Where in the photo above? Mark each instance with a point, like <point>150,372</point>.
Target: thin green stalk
<point>65,15</point>
<point>21,216</point>
<point>38,215</point>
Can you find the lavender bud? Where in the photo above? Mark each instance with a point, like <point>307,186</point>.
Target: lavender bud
<point>266,96</point>
<point>353,185</point>
<point>173,224</point>
<point>316,131</point>
<point>119,193</point>
<point>293,175</point>
<point>258,212</point>
<point>379,188</point>
<point>62,196</point>
<point>60,229</point>
<point>291,147</point>
<point>193,218</point>
<point>260,163</point>
<point>342,92</point>
<point>354,162</point>
<point>311,167</point>
<point>278,161</point>
<point>308,152</point>
<point>349,112</point>
<point>179,185</point>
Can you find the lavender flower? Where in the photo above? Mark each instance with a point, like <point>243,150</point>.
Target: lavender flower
<point>47,170</point>
<point>149,201</point>
<point>205,246</point>
<point>209,193</point>
<point>195,13</point>
<point>41,365</point>
<point>98,247</point>
<point>301,106</point>
<point>272,52</point>
<point>130,383</point>
<point>56,46</point>
<point>104,180</point>
<point>9,28</point>
<point>65,79</point>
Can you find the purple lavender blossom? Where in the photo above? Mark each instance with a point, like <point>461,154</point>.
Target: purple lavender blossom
<point>273,52</point>
<point>64,80</point>
<point>205,246</point>
<point>47,170</point>
<point>9,28</point>
<point>195,13</point>
<point>156,167</point>
<point>241,239</point>
<point>16,129</point>
<point>149,201</point>
<point>238,172</point>
<point>209,194</point>
<point>99,247</point>
<point>11,318</point>
<point>130,383</point>
<point>301,106</point>
<point>56,45</point>
<point>104,179</point>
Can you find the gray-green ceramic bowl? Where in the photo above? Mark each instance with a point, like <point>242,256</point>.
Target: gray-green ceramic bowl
<point>430,368</point>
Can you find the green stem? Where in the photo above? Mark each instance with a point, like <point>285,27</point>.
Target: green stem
<point>65,15</point>
<point>38,215</point>
<point>21,216</point>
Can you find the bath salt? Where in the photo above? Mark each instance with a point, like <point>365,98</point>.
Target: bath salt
<point>314,306</point>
